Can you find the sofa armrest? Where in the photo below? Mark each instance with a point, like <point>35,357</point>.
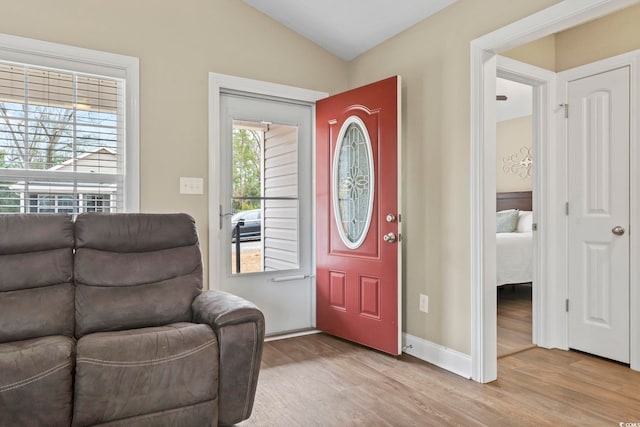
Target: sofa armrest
<point>239,325</point>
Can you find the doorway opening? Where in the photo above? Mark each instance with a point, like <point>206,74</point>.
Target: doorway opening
<point>484,62</point>
<point>515,155</point>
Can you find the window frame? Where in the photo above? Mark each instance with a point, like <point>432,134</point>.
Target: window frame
<point>64,57</point>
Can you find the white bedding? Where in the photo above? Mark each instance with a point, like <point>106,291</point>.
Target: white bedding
<point>514,258</point>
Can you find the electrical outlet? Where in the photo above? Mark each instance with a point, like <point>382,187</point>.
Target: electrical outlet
<point>424,303</point>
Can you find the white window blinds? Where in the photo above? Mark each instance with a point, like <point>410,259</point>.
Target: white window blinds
<point>61,141</point>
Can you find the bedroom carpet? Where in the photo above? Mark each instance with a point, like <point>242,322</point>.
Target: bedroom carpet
<point>318,380</point>
<point>514,319</point>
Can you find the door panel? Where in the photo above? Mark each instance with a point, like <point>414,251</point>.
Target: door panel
<point>357,275</point>
<point>282,287</point>
<point>599,202</point>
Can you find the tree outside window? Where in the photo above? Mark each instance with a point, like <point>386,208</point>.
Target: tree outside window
<point>247,155</point>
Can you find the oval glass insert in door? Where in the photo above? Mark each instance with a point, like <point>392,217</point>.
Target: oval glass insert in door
<point>353,182</point>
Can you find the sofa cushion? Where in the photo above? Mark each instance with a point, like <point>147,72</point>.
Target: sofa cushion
<point>135,270</point>
<point>35,233</point>
<point>134,232</point>
<point>138,372</point>
<point>36,381</point>
<point>37,312</point>
<point>36,266</point>
<point>200,414</point>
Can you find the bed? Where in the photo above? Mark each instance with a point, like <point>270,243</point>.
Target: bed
<point>514,250</point>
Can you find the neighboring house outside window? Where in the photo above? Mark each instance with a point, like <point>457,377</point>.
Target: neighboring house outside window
<point>96,203</point>
<point>51,198</point>
<point>63,203</point>
<point>68,142</point>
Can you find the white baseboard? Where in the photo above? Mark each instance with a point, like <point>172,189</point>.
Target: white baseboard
<point>436,354</point>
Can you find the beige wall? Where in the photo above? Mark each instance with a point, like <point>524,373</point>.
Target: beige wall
<point>605,37</point>
<point>513,142</point>
<point>541,53</point>
<point>178,43</point>
<point>599,39</point>
<point>433,60</point>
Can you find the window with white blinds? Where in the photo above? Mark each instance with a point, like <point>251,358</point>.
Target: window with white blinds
<point>69,128</point>
<point>61,141</point>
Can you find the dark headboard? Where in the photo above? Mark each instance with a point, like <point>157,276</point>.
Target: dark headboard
<point>514,200</point>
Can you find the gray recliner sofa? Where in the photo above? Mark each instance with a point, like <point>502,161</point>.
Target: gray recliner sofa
<point>103,322</point>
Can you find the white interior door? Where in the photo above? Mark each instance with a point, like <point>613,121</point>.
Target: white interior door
<point>598,141</point>
<point>266,191</point>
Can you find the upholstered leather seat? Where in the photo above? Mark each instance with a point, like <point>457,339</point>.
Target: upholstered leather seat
<point>37,349</point>
<point>103,322</point>
<point>36,381</point>
<point>124,374</point>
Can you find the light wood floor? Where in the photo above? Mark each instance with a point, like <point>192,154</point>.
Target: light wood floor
<point>514,319</point>
<point>318,380</point>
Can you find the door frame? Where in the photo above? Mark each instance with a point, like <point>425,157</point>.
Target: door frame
<point>483,50</point>
<point>220,82</point>
<point>632,60</point>
<point>543,83</point>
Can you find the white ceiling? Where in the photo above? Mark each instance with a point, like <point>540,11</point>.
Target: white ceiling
<point>519,101</point>
<point>348,28</point>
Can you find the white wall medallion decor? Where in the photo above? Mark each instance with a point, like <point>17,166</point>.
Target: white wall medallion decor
<point>519,163</point>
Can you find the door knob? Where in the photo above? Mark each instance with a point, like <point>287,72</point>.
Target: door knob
<point>391,218</point>
<point>389,238</point>
<point>617,230</point>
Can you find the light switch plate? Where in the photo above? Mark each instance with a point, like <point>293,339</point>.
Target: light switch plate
<point>191,185</point>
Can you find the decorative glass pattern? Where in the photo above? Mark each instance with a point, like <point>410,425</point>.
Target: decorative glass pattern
<point>353,182</point>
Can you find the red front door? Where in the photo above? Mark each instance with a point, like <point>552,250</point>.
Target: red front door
<point>358,234</point>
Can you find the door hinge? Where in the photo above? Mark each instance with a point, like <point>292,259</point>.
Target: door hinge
<point>534,227</point>
<point>566,110</point>
<point>566,208</point>
<point>566,305</point>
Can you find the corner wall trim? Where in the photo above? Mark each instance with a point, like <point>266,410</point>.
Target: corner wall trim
<point>436,354</point>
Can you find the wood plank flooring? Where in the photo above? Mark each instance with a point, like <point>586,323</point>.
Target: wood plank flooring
<point>514,319</point>
<point>318,380</point>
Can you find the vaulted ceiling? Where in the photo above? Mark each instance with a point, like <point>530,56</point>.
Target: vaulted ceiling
<point>348,28</point>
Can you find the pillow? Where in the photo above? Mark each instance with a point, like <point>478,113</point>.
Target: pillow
<point>525,220</point>
<point>506,221</point>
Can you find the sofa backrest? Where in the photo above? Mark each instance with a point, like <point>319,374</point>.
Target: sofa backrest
<point>36,267</point>
<point>134,270</point>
